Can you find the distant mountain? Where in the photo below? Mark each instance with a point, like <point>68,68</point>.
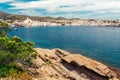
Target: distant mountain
<point>7,16</point>
<point>3,14</point>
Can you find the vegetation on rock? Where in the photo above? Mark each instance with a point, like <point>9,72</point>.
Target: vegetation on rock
<point>13,51</point>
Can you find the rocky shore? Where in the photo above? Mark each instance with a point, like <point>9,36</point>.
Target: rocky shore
<point>57,64</point>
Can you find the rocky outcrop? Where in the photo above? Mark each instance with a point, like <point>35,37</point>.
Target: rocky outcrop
<point>57,64</point>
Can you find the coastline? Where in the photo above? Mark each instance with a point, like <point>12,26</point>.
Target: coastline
<point>99,53</point>
<point>65,22</point>
<point>61,65</point>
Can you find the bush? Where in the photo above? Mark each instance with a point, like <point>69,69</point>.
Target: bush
<point>4,28</point>
<point>12,51</point>
<point>13,73</point>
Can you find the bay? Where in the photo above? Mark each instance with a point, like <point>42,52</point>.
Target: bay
<point>99,43</point>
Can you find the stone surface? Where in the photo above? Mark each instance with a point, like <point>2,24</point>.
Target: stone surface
<point>57,64</point>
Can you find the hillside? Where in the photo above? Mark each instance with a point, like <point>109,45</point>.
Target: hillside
<point>7,16</point>
<point>3,14</point>
<point>59,21</point>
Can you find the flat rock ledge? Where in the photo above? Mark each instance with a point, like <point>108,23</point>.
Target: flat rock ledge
<point>57,64</point>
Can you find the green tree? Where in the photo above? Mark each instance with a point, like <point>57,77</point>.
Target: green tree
<point>12,51</point>
<point>4,28</point>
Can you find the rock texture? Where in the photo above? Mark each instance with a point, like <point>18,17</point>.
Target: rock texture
<point>57,64</point>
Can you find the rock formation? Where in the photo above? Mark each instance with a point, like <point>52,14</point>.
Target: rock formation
<point>57,64</point>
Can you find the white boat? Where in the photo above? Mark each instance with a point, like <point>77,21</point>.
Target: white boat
<point>15,29</point>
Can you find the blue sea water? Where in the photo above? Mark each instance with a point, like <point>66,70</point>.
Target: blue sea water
<point>99,43</point>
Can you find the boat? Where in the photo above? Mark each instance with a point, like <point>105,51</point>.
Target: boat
<point>15,29</point>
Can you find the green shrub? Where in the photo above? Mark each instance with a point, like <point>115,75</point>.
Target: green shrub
<point>12,51</point>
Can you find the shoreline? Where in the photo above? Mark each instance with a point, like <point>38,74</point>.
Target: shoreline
<point>65,22</point>
<point>69,26</point>
<point>72,66</point>
<point>71,52</point>
<point>105,60</point>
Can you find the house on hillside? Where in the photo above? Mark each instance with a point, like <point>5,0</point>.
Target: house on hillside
<point>1,20</point>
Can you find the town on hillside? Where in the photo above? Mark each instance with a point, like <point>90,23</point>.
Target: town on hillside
<point>62,22</point>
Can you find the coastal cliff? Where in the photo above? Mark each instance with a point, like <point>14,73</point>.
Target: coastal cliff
<point>57,64</point>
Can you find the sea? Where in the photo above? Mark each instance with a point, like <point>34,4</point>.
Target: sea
<point>99,43</point>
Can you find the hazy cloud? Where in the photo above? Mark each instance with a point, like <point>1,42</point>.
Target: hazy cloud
<point>4,1</point>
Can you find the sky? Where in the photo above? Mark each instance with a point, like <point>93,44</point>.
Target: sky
<point>85,9</point>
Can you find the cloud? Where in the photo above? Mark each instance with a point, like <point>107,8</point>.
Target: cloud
<point>70,7</point>
<point>28,12</point>
<point>4,1</point>
<point>73,5</point>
